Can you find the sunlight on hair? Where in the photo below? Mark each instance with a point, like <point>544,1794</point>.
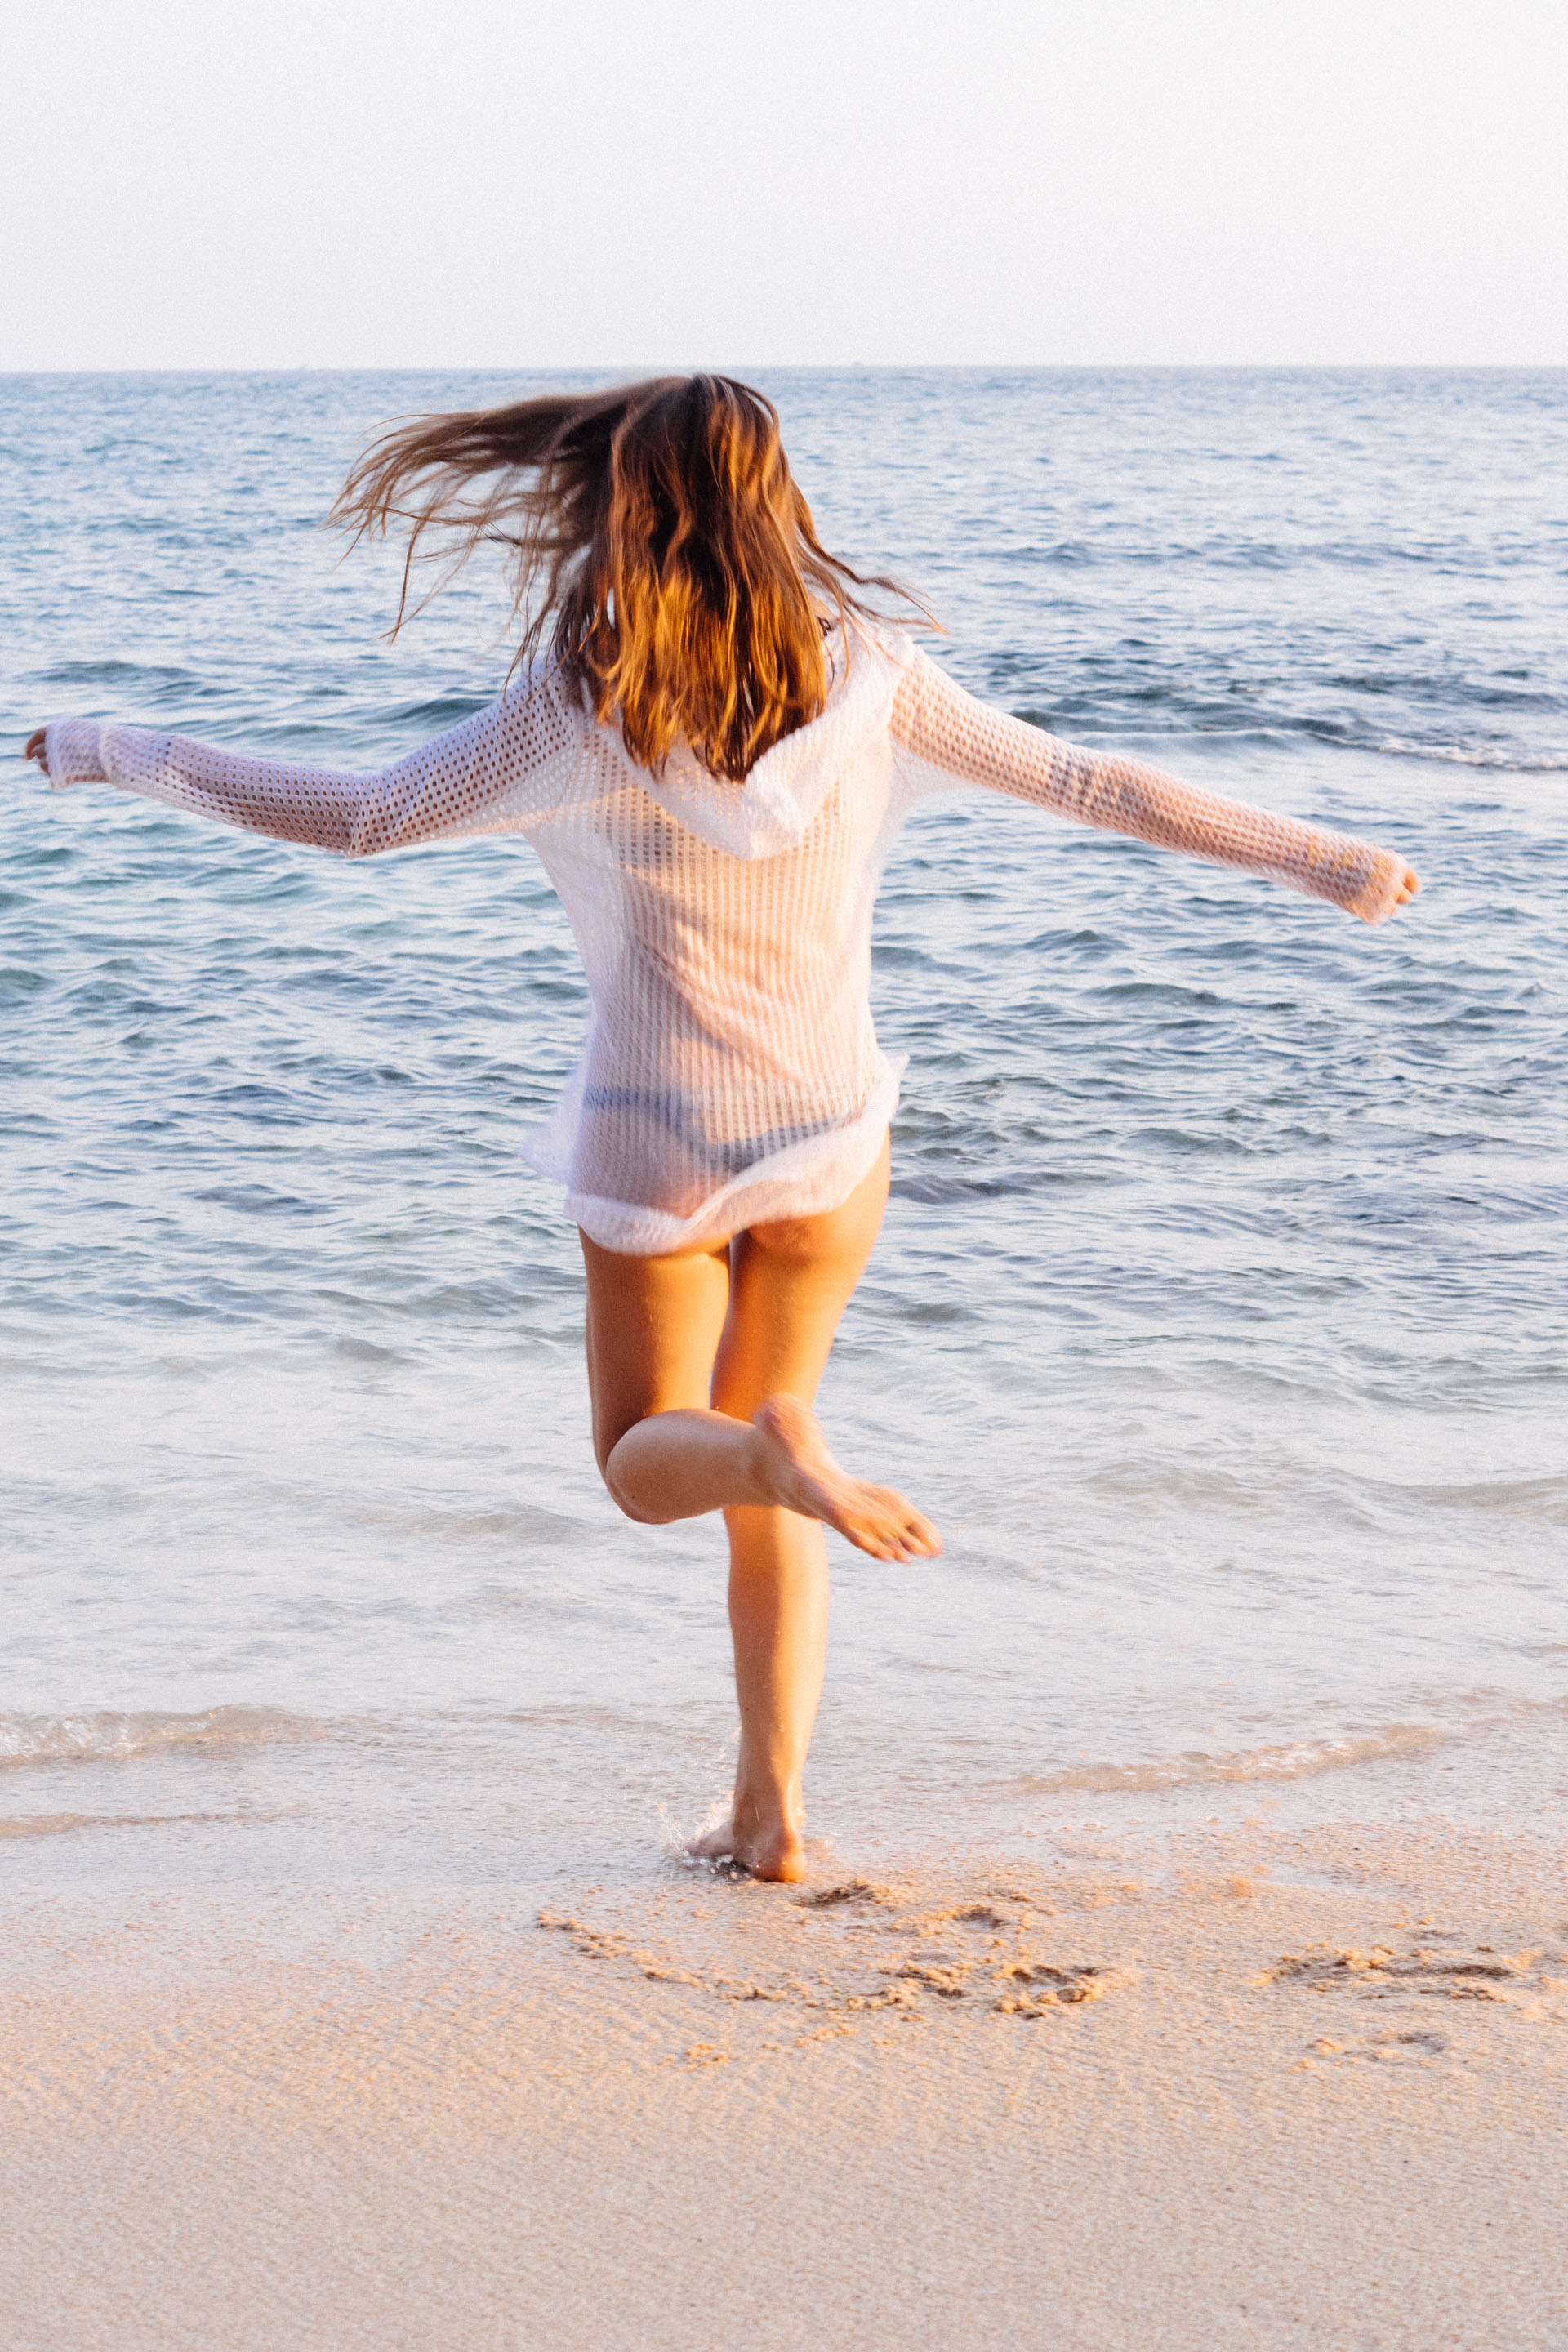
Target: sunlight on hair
<point>659,527</point>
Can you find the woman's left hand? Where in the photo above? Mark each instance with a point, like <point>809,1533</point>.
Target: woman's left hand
<point>36,747</point>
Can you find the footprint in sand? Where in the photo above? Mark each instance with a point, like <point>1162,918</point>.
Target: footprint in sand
<point>1383,2046</point>
<point>978,1954</point>
<point>1383,1973</point>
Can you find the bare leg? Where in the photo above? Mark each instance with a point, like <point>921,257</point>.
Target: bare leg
<point>677,1466</point>
<point>767,1310</point>
<point>778,1621</point>
<point>767,1305</point>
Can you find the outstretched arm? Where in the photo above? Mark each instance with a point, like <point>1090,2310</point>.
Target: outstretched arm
<point>943,736</point>
<point>490,774</point>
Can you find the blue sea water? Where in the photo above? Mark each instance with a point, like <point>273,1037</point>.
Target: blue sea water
<point>1219,1315</point>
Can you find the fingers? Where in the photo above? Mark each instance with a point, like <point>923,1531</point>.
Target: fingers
<point>35,750</point>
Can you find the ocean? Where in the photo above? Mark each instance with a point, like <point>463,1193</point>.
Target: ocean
<point>1219,1317</point>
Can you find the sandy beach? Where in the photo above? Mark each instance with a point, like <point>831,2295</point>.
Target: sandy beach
<point>1260,2089</point>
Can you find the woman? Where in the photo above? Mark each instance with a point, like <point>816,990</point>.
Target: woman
<point>713,757</point>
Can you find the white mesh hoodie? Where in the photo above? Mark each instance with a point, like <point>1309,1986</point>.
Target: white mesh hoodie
<point>731,1073</point>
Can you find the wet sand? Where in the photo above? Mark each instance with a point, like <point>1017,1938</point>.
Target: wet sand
<point>1255,2090</point>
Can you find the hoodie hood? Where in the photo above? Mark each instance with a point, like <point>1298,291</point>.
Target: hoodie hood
<point>770,812</point>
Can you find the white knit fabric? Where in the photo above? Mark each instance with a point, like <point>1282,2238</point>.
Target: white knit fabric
<point>731,1073</point>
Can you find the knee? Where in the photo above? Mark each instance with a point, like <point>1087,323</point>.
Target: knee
<point>630,1509</point>
<point>621,1491</point>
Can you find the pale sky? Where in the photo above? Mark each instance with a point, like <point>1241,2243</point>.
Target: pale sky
<point>331,184</point>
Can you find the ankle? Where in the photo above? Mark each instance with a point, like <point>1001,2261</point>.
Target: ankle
<point>761,1468</point>
<point>769,1812</point>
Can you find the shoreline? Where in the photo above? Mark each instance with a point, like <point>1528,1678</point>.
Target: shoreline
<point>1291,2087</point>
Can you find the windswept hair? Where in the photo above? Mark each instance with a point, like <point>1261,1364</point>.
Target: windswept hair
<point>657,535</point>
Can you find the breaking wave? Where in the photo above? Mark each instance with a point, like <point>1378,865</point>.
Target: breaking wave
<point>1298,1761</point>
<point>108,1738</point>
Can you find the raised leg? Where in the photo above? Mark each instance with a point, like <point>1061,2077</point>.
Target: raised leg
<point>702,1364</point>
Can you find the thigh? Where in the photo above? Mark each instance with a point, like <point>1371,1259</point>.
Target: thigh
<point>653,1326</point>
<point>789,1284</point>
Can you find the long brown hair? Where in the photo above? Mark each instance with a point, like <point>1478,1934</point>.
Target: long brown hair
<point>661,527</point>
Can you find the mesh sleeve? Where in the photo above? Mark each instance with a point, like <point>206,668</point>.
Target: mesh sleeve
<point>943,737</point>
<point>496,772</point>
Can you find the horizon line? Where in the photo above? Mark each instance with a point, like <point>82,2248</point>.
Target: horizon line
<point>634,370</point>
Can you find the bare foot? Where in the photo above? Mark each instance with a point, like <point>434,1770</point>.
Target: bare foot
<point>776,1853</point>
<point>805,1478</point>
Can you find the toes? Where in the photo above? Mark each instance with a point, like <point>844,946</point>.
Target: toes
<point>908,1532</point>
<point>877,1520</point>
<point>893,1539</point>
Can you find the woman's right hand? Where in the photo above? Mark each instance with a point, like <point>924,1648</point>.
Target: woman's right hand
<point>36,748</point>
